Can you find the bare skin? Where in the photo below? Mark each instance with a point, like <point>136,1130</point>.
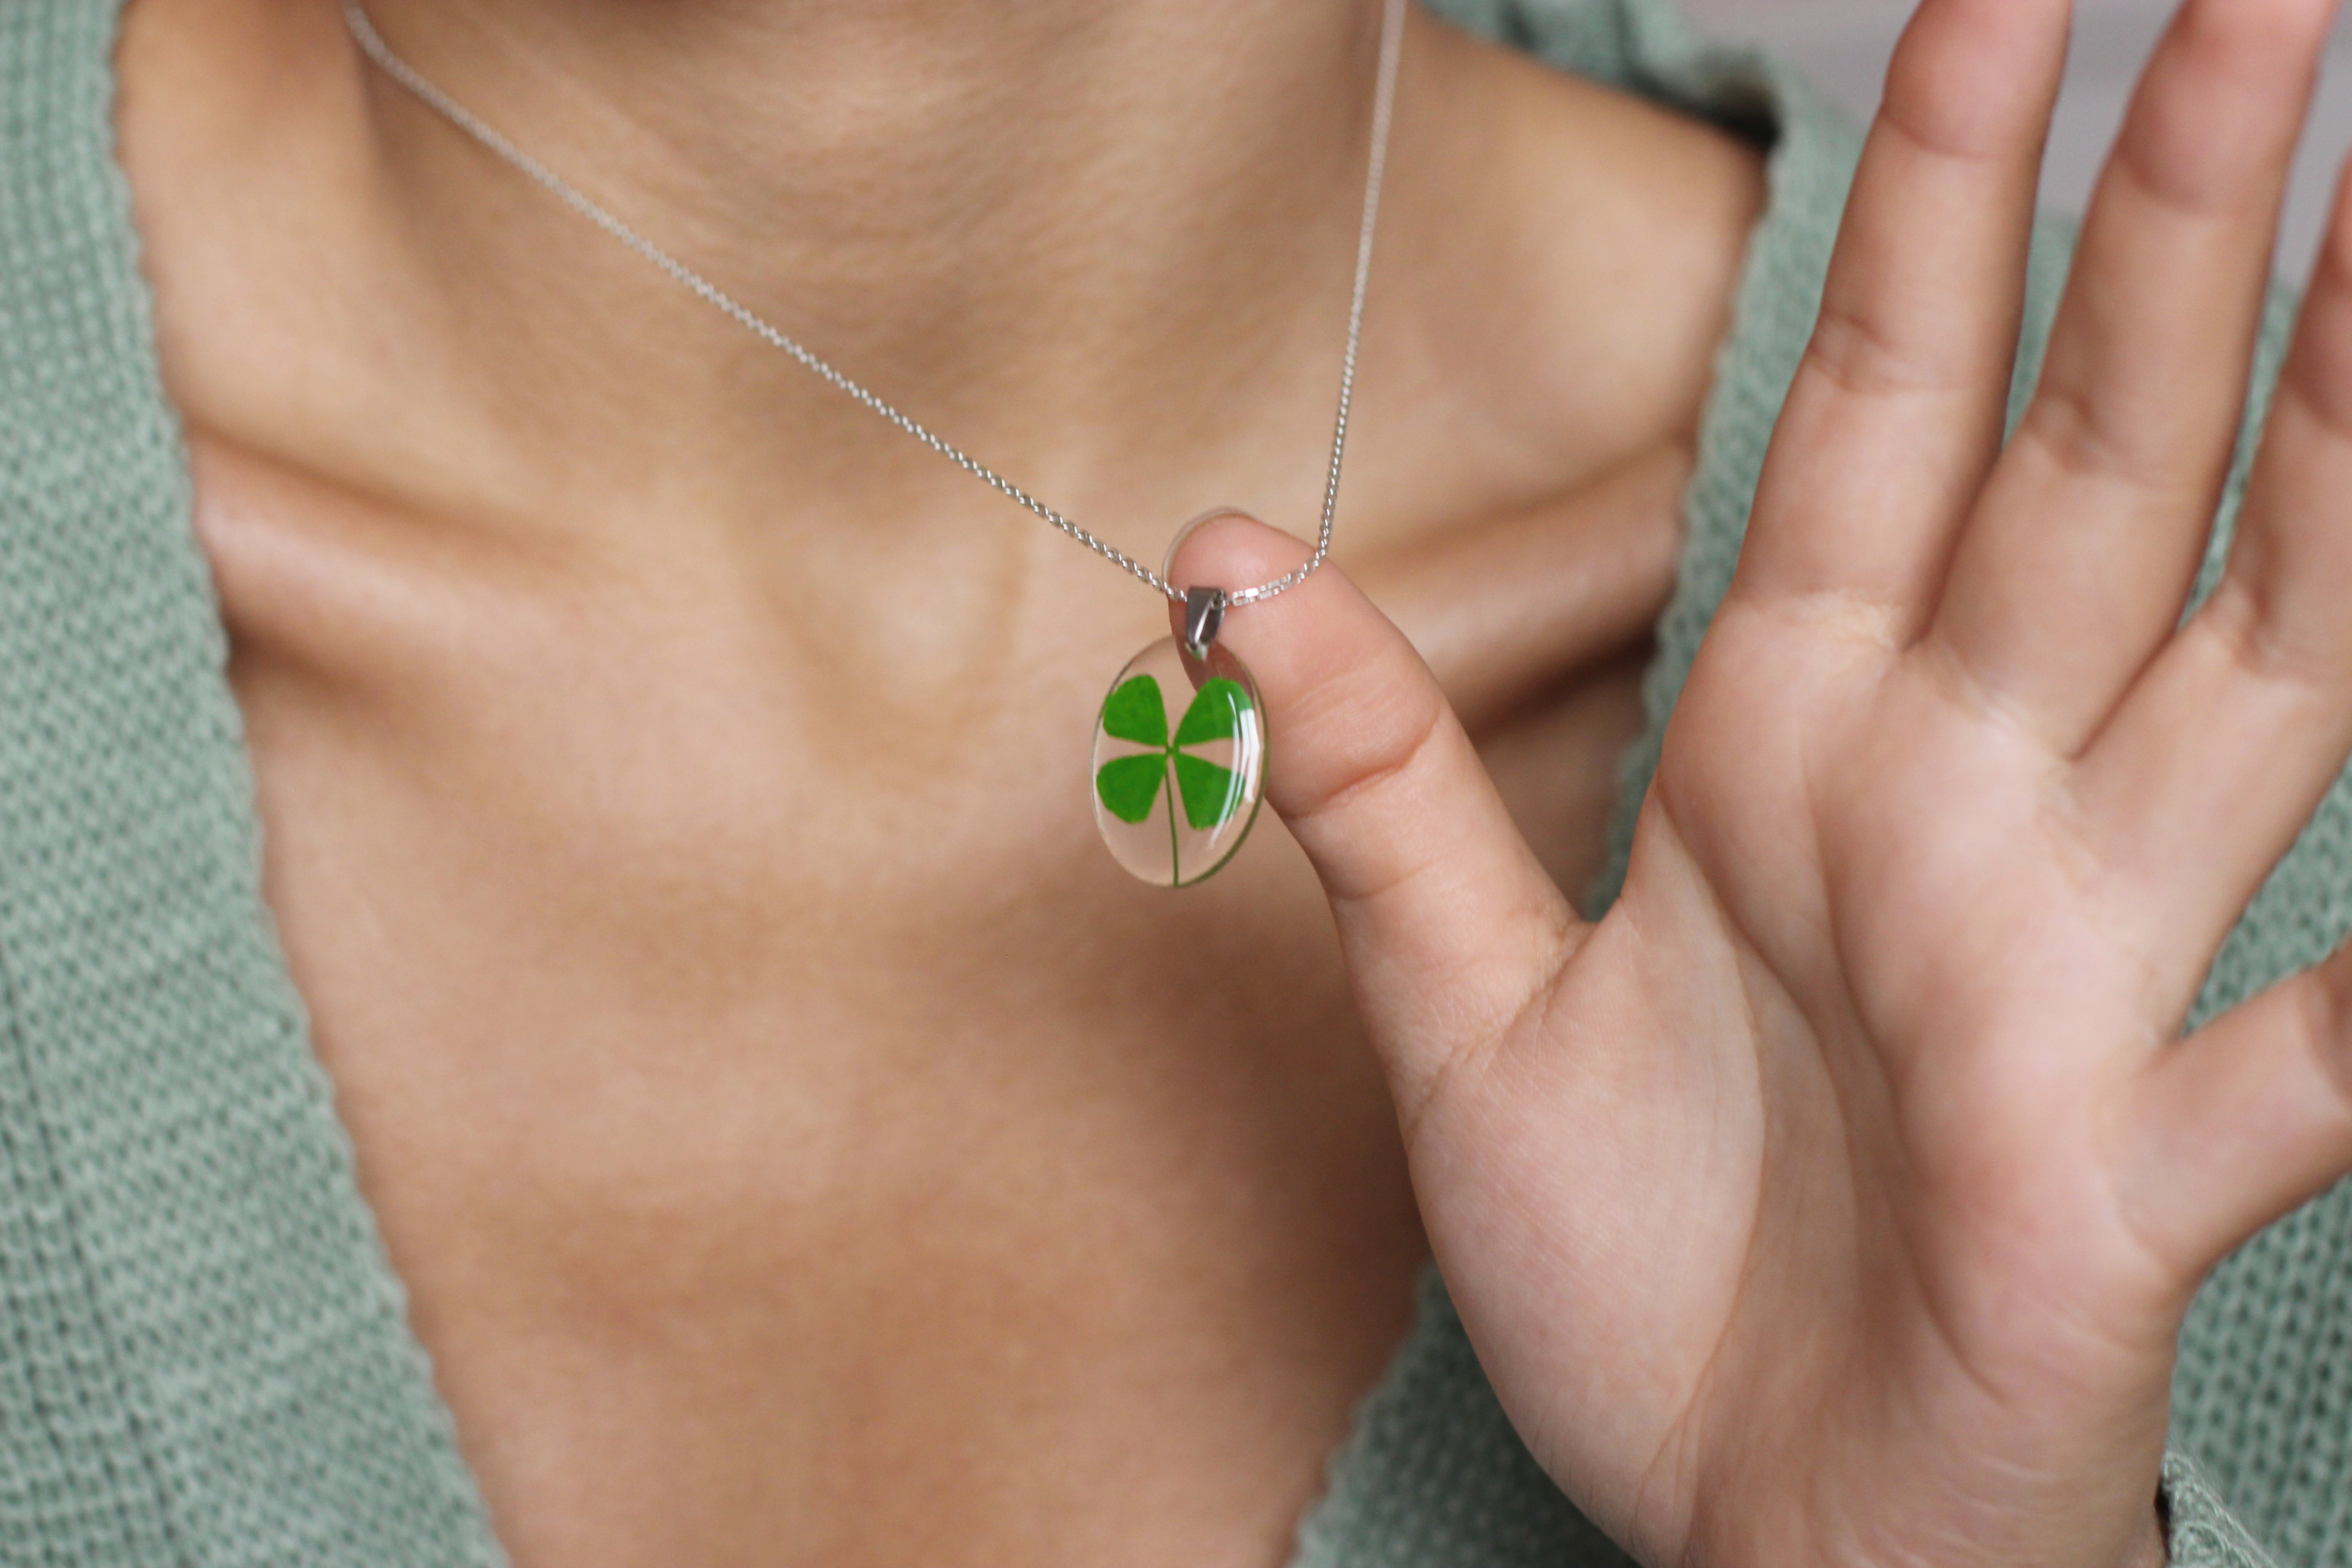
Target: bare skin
<point>1838,1197</point>
<point>802,1145</point>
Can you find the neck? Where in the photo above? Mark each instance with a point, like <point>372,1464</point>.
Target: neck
<point>1013,221</point>
<point>898,146</point>
<point>1103,247</point>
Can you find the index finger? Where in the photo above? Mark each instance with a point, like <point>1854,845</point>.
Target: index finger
<point>1899,404</point>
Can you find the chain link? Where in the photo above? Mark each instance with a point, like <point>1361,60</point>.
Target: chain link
<point>372,44</point>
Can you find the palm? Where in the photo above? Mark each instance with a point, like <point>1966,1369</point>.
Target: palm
<point>1855,1221</point>
<point>1837,1197</point>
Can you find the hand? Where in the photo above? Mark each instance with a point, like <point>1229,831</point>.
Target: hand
<point>1837,1198</point>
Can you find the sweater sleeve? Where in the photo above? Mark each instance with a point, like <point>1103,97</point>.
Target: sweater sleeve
<point>2199,1529</point>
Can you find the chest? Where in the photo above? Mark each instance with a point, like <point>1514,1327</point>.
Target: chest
<point>777,1103</point>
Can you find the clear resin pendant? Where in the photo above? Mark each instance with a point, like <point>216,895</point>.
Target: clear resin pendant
<point>1180,762</point>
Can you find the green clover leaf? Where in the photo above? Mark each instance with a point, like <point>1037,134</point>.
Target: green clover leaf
<point>1136,712</point>
<point>1215,714</point>
<point>1129,785</point>
<point>1210,793</point>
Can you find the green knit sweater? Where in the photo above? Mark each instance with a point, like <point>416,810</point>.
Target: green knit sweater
<point>204,1357</point>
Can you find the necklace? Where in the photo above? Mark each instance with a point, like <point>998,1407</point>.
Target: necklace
<point>1207,771</point>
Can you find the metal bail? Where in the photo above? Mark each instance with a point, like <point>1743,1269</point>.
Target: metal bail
<point>1204,613</point>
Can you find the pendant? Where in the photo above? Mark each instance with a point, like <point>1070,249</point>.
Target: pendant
<point>1180,757</point>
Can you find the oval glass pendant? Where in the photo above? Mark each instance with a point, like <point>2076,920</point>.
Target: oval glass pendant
<point>1180,762</point>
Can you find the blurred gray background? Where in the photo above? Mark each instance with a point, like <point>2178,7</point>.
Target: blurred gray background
<point>1843,45</point>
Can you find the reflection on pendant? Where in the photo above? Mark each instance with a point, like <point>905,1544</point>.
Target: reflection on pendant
<point>1179,762</point>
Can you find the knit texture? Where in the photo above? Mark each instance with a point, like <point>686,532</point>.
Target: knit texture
<point>203,1353</point>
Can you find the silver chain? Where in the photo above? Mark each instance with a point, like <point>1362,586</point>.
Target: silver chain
<point>372,44</point>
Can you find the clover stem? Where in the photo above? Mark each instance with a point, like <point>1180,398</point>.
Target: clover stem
<point>1168,782</point>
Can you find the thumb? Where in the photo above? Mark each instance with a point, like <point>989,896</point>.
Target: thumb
<point>1449,923</point>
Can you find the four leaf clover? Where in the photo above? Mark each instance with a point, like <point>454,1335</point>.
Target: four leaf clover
<point>1128,786</point>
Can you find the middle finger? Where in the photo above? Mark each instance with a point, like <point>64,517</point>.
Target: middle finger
<point>2087,537</point>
